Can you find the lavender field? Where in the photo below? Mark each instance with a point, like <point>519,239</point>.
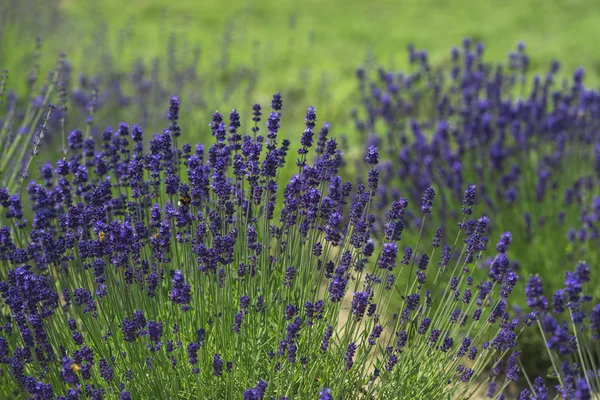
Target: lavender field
<point>299,200</point>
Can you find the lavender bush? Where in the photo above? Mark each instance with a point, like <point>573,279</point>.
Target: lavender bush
<point>569,323</point>
<point>170,270</point>
<point>529,143</point>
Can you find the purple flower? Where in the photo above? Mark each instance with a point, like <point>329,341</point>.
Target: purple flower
<point>326,337</point>
<point>350,355</point>
<point>106,371</point>
<point>539,389</point>
<point>217,365</point>
<point>437,237</point>
<point>469,200</point>
<point>412,301</point>
<point>504,242</point>
<point>290,274</point>
<point>582,390</point>
<point>359,304</point>
<point>434,336</point>
<point>192,351</point>
<point>155,330</point>
<point>427,200</point>
<point>467,375</point>
<point>447,344</point>
<point>325,394</point>
<point>558,301</point>
<point>387,259</point>
<point>407,256</point>
<point>180,294</point>
<point>372,156</point>
<point>573,286</point>
<point>424,326</point>
<point>290,311</point>
<point>237,322</point>
<point>535,294</point>
<point>68,371</point>
<point>464,347</point>
<point>375,334</point>
<point>512,368</point>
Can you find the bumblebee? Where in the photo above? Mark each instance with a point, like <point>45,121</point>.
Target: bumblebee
<point>184,200</point>
<point>75,367</point>
<point>101,236</point>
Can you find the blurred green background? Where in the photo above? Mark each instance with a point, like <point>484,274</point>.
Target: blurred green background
<point>309,48</point>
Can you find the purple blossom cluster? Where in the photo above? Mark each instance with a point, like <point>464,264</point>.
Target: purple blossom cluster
<point>136,265</point>
<point>569,324</point>
<point>529,142</point>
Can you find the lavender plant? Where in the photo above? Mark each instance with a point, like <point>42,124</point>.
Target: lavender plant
<point>169,270</point>
<point>530,143</point>
<point>568,323</point>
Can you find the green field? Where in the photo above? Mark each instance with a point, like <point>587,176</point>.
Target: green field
<point>312,47</point>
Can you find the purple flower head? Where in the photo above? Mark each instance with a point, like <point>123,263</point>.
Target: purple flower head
<point>423,262</point>
<point>106,371</point>
<point>539,389</point>
<point>326,336</point>
<point>192,351</point>
<point>595,321</point>
<point>387,259</point>
<point>290,274</point>
<point>180,294</point>
<point>290,311</point>
<point>424,325</point>
<point>359,304</point>
<point>467,375</point>
<point>505,240</point>
<point>237,322</point>
<point>437,237</point>
<point>427,200</point>
<point>375,334</point>
<point>173,112</point>
<point>276,103</point>
<point>407,256</point>
<point>558,301</point>
<point>325,394</point>
<point>447,344</point>
<point>217,365</point>
<point>573,286</point>
<point>434,336</point>
<point>512,368</point>
<point>350,350</point>
<point>535,294</point>
<point>155,330</point>
<point>244,302</point>
<point>582,390</point>
<point>68,371</point>
<point>372,157</point>
<point>445,257</point>
<point>412,301</point>
<point>469,200</point>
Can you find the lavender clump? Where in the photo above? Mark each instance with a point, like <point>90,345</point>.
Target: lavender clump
<point>184,262</point>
